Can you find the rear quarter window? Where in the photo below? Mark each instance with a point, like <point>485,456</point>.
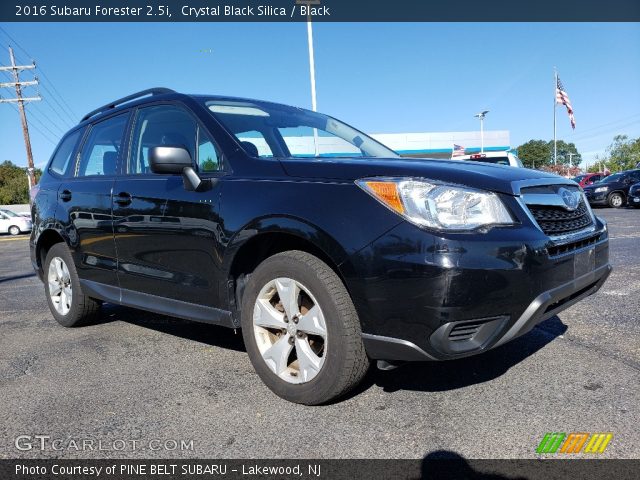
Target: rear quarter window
<point>62,157</point>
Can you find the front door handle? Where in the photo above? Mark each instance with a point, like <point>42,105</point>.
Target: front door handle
<point>65,195</point>
<point>122,198</point>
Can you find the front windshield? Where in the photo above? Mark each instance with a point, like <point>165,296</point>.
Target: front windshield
<point>9,213</point>
<point>269,130</point>
<point>579,178</point>
<point>616,177</point>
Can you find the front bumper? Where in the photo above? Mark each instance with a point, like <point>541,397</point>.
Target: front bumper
<point>599,198</point>
<point>634,200</point>
<point>427,297</point>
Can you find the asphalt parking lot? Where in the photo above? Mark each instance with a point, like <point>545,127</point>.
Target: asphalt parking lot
<point>144,376</point>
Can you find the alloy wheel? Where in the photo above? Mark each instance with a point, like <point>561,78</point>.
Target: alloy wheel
<point>60,290</point>
<point>290,330</point>
<point>14,230</point>
<point>616,201</point>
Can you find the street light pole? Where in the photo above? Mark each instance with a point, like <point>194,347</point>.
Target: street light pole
<point>481,116</point>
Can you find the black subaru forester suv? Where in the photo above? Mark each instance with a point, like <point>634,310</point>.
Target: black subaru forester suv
<point>325,248</point>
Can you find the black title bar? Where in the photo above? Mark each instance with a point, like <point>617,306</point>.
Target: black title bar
<point>320,10</point>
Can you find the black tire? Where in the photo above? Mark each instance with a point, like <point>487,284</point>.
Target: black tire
<point>14,230</point>
<point>83,309</point>
<point>615,200</point>
<point>345,362</point>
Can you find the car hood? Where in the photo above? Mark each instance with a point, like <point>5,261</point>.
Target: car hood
<point>497,178</point>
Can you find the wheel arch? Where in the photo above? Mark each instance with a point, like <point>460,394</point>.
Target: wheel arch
<point>269,236</point>
<point>46,240</point>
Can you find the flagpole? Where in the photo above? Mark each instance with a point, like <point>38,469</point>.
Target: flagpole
<point>555,95</point>
<point>312,74</point>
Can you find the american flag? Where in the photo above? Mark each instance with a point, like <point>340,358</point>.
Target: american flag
<point>458,151</point>
<point>563,99</point>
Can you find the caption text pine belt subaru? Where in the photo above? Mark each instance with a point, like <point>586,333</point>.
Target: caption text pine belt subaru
<point>326,248</point>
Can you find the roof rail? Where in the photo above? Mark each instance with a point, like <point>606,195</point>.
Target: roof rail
<point>128,98</point>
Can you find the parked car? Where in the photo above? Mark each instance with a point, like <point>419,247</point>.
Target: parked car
<point>613,190</point>
<point>498,158</point>
<point>588,178</point>
<point>325,262</point>
<point>634,195</point>
<point>13,223</point>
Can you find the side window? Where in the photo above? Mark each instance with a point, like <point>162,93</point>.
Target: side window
<point>101,149</point>
<point>209,157</point>
<point>254,144</point>
<point>61,159</point>
<point>160,125</point>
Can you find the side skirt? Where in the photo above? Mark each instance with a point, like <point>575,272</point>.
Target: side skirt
<point>155,304</point>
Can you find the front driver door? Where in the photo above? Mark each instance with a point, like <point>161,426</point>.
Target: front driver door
<point>166,235</point>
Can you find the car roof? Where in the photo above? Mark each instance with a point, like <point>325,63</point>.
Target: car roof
<point>156,94</point>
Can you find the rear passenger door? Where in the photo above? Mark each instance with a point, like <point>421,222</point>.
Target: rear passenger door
<point>84,204</point>
<point>166,235</point>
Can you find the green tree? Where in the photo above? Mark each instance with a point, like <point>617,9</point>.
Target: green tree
<point>535,153</point>
<point>539,153</point>
<point>623,153</point>
<point>13,183</point>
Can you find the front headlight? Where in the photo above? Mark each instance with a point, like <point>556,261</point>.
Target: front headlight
<point>601,189</point>
<point>438,206</point>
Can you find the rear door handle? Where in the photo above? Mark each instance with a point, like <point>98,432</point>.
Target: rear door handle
<point>122,198</point>
<point>65,195</point>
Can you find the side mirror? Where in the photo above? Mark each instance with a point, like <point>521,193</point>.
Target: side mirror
<point>169,159</point>
<point>176,159</point>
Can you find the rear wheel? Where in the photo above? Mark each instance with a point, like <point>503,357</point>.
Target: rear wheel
<point>14,230</point>
<point>301,329</point>
<point>615,200</point>
<point>68,305</point>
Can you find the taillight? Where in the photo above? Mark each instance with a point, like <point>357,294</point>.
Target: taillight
<point>33,192</point>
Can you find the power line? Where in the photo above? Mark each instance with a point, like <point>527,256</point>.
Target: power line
<point>44,125</point>
<point>68,109</point>
<point>37,110</point>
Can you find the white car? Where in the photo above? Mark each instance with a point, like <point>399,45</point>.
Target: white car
<point>11,222</point>
<point>499,158</point>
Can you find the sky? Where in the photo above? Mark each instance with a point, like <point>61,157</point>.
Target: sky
<point>379,77</point>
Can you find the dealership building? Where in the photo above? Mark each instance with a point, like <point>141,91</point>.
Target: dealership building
<point>440,144</point>
<point>429,144</point>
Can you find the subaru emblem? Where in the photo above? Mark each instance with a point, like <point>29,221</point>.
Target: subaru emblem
<point>570,199</point>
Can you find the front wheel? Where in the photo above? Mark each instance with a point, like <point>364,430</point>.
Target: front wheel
<point>616,200</point>
<point>301,329</point>
<point>14,230</point>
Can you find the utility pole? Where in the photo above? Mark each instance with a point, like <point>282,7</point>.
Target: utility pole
<point>570,158</point>
<point>20,100</point>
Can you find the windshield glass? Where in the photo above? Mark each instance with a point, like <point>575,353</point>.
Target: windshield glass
<point>269,130</point>
<point>579,178</point>
<point>616,177</point>
<point>9,213</point>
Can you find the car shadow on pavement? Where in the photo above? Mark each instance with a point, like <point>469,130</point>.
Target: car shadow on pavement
<point>446,464</point>
<point>212,335</point>
<point>13,278</point>
<point>453,374</point>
